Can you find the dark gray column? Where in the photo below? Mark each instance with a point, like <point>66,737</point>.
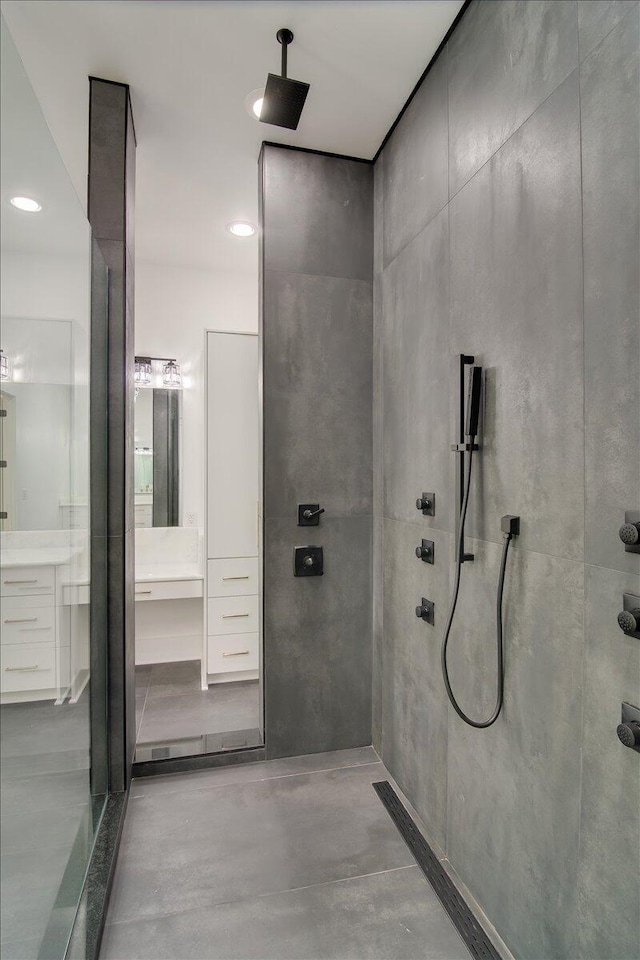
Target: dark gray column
<point>317,213</point>
<point>111,210</point>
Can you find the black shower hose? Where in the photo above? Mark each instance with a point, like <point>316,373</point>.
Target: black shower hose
<point>481,724</point>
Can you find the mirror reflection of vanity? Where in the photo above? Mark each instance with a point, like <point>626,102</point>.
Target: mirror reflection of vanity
<point>44,513</point>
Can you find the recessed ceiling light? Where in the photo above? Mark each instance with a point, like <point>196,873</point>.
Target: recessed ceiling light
<point>27,204</point>
<point>241,228</point>
<point>253,103</point>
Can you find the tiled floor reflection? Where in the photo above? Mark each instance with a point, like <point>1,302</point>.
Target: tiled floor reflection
<point>282,859</point>
<point>44,804</point>
<point>172,709</point>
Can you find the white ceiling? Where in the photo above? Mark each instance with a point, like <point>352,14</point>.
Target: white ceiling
<point>190,65</point>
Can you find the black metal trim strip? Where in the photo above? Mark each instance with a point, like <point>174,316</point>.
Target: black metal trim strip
<point>203,761</point>
<point>467,925</point>
<point>443,44</point>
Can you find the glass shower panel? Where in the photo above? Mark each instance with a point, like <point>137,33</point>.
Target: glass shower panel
<point>49,813</point>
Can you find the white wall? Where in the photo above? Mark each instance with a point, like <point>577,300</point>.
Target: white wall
<point>45,308</point>
<point>173,308</point>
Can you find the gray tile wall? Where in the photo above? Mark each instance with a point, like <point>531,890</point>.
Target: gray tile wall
<point>111,209</point>
<point>526,255</point>
<point>317,337</point>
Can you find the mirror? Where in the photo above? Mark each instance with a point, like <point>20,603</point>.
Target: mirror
<point>157,457</point>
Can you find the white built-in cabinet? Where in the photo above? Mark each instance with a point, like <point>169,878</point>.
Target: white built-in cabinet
<point>233,508</point>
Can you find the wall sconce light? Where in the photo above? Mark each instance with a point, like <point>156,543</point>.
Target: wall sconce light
<point>5,366</point>
<point>142,373</point>
<point>171,376</point>
<point>147,373</point>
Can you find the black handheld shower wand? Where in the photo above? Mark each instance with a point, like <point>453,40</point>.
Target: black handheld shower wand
<point>510,526</point>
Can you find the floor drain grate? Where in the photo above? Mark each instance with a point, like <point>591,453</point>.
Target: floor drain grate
<point>456,906</point>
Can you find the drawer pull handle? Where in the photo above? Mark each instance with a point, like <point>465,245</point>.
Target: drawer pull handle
<point>13,582</point>
<point>140,593</point>
<point>23,620</point>
<point>236,578</point>
<point>233,616</point>
<point>21,669</point>
<point>240,653</point>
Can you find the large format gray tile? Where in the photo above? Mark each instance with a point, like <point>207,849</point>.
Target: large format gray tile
<point>318,214</point>
<point>387,916</point>
<point>30,884</point>
<point>20,949</point>
<point>200,848</point>
<point>317,394</point>
<point>378,216</point>
<point>504,60</point>
<point>608,881</point>
<point>514,788</point>
<point>414,714</point>
<point>25,795</point>
<point>377,664</point>
<point>224,707</point>
<point>516,302</point>
<point>173,679</point>
<point>596,18</point>
<point>246,772</point>
<point>415,172</point>
<point>416,375</point>
<point>610,103</point>
<point>318,639</point>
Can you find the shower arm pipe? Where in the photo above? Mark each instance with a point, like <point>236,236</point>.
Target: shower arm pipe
<point>463,360</point>
<point>284,37</point>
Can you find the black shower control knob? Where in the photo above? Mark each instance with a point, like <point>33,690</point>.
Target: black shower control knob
<point>629,620</point>
<point>629,733</point>
<point>629,533</point>
<point>423,503</point>
<point>421,613</point>
<point>423,552</point>
<point>308,561</point>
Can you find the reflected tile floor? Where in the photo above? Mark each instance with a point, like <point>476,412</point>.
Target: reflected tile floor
<point>44,800</point>
<point>282,859</point>
<point>170,704</point>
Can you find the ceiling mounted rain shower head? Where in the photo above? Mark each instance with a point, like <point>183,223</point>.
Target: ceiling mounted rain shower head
<point>283,98</point>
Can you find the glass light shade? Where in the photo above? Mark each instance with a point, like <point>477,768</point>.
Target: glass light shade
<point>171,376</point>
<point>142,374</point>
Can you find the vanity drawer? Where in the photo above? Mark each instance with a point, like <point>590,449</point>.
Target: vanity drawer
<point>28,620</point>
<point>27,581</point>
<point>168,589</point>
<point>236,651</point>
<point>236,577</point>
<point>29,666</point>
<point>232,615</point>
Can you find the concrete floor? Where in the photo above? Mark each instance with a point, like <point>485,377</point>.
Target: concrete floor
<point>170,704</point>
<point>282,859</point>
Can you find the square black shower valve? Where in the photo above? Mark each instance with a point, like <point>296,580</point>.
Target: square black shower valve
<point>426,551</point>
<point>308,562</point>
<point>309,514</point>
<point>426,611</point>
<point>427,504</point>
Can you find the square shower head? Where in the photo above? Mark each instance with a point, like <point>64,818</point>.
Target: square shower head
<point>283,101</point>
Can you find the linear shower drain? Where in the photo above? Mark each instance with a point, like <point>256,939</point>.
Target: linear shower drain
<point>477,941</point>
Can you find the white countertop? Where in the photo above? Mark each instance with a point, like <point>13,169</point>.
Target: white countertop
<point>37,557</point>
<point>168,571</point>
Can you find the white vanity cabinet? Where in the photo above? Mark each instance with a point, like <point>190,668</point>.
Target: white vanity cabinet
<point>34,648</point>
<point>233,508</point>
